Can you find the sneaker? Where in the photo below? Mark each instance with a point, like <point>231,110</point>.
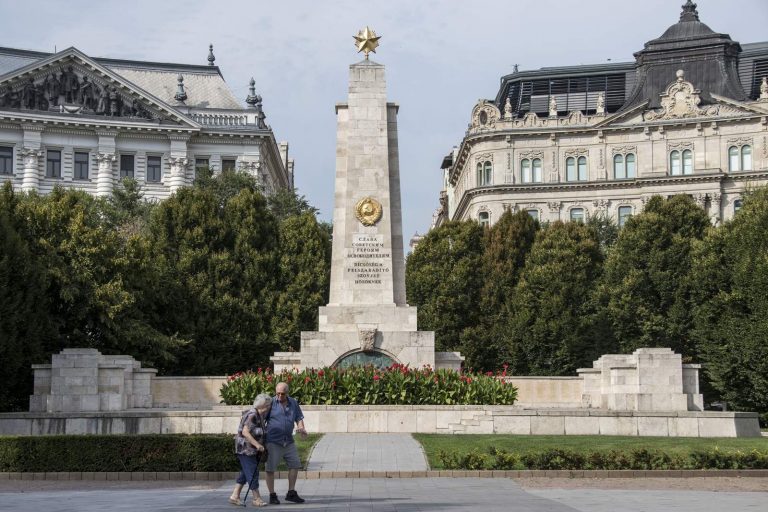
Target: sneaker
<point>273,499</point>
<point>294,497</point>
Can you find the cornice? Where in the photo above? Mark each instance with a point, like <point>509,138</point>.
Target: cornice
<point>714,176</point>
<point>45,122</point>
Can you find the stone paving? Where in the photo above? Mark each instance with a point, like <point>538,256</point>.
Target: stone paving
<point>375,494</point>
<point>367,452</point>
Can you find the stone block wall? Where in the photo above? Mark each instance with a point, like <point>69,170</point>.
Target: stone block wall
<point>84,380</point>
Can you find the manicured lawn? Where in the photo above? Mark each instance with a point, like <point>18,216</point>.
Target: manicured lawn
<point>433,443</point>
<point>305,449</point>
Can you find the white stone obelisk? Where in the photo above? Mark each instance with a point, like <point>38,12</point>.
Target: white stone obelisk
<point>367,319</point>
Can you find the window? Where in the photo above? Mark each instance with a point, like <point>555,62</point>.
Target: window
<point>531,170</point>
<point>625,212</point>
<point>228,165</point>
<point>533,213</point>
<point>687,161</point>
<point>736,206</point>
<point>624,166</point>
<point>733,159</point>
<point>53,164</point>
<point>746,158</point>
<point>674,163</point>
<point>484,218</point>
<point>6,160</point>
<point>484,173</point>
<point>154,170</point>
<point>576,168</point>
<point>81,166</point>
<point>577,214</point>
<point>631,166</point>
<point>126,166</point>
<point>200,164</point>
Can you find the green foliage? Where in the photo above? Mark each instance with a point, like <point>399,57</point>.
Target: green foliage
<point>397,385</point>
<point>645,290</point>
<point>285,204</point>
<point>304,278</point>
<point>166,452</point>
<point>552,319</point>
<point>730,279</point>
<point>507,245</point>
<point>636,459</point>
<point>443,279</point>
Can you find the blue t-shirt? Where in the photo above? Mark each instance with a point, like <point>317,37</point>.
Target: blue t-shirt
<point>282,420</point>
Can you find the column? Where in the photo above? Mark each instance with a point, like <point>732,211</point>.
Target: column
<point>31,176</point>
<point>178,173</point>
<point>105,181</point>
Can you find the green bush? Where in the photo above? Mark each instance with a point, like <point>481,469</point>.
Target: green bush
<point>638,459</point>
<point>396,385</point>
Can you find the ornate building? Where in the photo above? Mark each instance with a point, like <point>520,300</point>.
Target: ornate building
<point>689,116</point>
<point>79,122</point>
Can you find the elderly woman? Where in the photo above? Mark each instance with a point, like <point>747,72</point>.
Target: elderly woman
<point>249,447</point>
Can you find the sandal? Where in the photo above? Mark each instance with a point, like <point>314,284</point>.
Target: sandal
<point>235,502</point>
<point>258,502</point>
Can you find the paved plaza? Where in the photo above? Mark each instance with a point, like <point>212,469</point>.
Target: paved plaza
<point>395,494</point>
<point>367,452</point>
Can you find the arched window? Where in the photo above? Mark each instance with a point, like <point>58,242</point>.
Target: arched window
<point>625,212</point>
<point>674,163</point>
<point>582,163</point>
<point>736,205</point>
<point>619,171</point>
<point>479,174</point>
<point>687,161</point>
<point>577,214</point>
<point>525,169</point>
<point>484,218</point>
<point>537,170</point>
<point>487,173</point>
<point>746,158</point>
<point>733,159</point>
<point>570,169</point>
<point>631,173</point>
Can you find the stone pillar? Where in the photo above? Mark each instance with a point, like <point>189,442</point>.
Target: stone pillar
<point>31,178</point>
<point>178,173</point>
<point>105,181</point>
<point>715,209</point>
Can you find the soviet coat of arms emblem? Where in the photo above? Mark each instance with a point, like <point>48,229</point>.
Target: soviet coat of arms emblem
<point>368,211</point>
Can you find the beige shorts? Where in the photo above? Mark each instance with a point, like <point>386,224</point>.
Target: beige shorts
<point>278,452</point>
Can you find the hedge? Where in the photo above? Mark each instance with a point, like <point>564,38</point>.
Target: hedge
<point>167,452</point>
<point>637,459</point>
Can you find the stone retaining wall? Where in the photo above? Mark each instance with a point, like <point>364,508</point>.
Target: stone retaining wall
<point>466,419</point>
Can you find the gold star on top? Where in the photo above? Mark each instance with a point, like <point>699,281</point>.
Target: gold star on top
<point>366,41</point>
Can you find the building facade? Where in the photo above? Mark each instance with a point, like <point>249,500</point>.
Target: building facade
<point>688,116</point>
<point>70,120</point>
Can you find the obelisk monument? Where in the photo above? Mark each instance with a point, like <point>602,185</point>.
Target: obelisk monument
<point>367,320</point>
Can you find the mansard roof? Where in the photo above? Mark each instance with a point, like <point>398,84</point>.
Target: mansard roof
<point>204,84</point>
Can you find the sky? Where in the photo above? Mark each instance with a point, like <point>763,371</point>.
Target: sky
<point>441,56</point>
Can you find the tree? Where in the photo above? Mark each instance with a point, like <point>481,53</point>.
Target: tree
<point>24,327</point>
<point>507,244</point>
<point>304,280</point>
<point>730,279</point>
<point>443,279</point>
<point>645,290</point>
<point>551,316</point>
<point>216,251</point>
<point>288,203</point>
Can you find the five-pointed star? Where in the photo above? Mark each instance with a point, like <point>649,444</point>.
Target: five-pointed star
<point>366,41</point>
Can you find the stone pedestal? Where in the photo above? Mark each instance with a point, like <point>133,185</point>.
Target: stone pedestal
<point>367,318</point>
<point>84,380</point>
<point>649,379</point>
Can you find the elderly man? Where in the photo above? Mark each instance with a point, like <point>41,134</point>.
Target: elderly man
<point>284,415</point>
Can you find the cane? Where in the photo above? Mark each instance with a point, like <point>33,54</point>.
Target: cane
<point>253,477</point>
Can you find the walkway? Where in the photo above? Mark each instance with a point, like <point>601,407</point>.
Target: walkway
<point>367,452</point>
<point>373,494</point>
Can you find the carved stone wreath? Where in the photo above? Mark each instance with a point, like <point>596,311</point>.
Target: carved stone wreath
<point>368,211</point>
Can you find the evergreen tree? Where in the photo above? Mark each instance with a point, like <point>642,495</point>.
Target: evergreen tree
<point>288,203</point>
<point>645,290</point>
<point>730,279</point>
<point>443,279</point>
<point>304,283</point>
<point>551,324</point>
<point>507,244</point>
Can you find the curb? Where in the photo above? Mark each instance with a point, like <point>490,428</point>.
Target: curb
<point>145,476</point>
